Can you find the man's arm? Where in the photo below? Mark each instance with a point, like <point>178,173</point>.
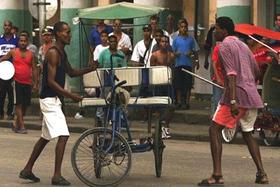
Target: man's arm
<point>8,56</point>
<point>232,94</point>
<point>53,59</point>
<point>35,73</point>
<point>153,60</point>
<point>78,72</point>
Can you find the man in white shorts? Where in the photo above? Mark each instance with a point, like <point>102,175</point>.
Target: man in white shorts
<point>54,125</point>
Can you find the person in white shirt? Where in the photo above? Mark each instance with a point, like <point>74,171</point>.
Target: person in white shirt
<point>124,42</point>
<point>143,49</point>
<point>99,48</point>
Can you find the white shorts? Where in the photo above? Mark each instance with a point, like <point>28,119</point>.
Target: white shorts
<point>54,122</point>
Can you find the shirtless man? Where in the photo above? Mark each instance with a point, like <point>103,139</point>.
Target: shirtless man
<point>164,57</point>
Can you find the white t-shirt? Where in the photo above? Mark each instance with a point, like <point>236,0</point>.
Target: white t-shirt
<point>98,49</point>
<point>139,51</point>
<point>124,41</point>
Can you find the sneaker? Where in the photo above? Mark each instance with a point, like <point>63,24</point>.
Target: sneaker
<point>78,116</point>
<point>61,181</point>
<point>28,176</point>
<point>163,134</point>
<point>21,131</point>
<point>167,132</point>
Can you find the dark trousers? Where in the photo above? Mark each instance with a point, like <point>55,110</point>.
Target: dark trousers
<point>6,87</point>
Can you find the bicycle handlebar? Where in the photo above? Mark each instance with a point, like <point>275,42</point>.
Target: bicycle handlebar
<point>120,83</point>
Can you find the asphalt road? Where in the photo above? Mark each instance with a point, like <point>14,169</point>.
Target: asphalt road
<point>185,163</point>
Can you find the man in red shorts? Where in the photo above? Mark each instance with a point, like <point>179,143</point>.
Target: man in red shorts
<point>239,102</point>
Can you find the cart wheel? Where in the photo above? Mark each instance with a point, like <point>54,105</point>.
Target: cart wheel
<point>269,137</point>
<point>158,148</point>
<point>95,163</point>
<point>229,134</point>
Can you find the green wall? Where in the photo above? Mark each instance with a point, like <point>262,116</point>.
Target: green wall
<point>20,18</point>
<point>73,50</point>
<point>239,14</point>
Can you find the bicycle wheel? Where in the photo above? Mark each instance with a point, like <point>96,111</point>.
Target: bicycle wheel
<point>229,134</point>
<point>94,164</point>
<point>158,147</point>
<point>269,137</point>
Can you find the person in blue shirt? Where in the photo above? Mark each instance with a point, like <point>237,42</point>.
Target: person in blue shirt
<point>95,34</point>
<point>8,41</point>
<point>185,52</point>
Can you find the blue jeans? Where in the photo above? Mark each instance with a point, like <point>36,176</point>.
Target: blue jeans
<point>217,94</point>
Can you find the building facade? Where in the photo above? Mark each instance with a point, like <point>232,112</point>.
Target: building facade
<point>202,12</point>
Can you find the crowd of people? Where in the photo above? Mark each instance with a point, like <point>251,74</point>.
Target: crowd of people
<point>234,68</point>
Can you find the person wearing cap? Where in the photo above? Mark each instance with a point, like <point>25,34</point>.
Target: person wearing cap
<point>142,51</point>
<point>47,38</point>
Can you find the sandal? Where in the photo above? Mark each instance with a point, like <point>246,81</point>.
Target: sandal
<point>261,178</point>
<point>214,180</point>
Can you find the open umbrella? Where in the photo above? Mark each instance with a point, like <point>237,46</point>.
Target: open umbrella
<point>250,30</point>
<point>123,10</point>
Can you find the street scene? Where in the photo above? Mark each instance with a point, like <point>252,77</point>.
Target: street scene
<point>184,163</point>
<point>139,93</point>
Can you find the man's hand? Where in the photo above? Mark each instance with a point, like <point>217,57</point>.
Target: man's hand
<point>93,65</point>
<point>234,109</point>
<point>76,98</point>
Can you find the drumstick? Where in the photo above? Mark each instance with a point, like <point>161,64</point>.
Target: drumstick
<point>201,78</point>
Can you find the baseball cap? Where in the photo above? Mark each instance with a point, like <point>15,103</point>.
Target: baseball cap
<point>147,26</point>
<point>46,31</point>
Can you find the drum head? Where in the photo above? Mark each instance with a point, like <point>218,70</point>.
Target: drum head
<point>7,70</point>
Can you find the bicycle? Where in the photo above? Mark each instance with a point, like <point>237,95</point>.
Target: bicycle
<point>102,156</point>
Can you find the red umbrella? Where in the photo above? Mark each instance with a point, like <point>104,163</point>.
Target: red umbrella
<point>252,29</point>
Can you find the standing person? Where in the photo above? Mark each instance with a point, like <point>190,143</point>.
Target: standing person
<point>217,77</point>
<point>164,57</point>
<point>185,51</point>
<point>142,51</point>
<point>104,60</point>
<point>95,34</point>
<point>54,125</point>
<point>8,41</point>
<point>99,48</point>
<point>25,65</point>
<point>240,100</point>
<point>47,38</point>
<point>124,43</point>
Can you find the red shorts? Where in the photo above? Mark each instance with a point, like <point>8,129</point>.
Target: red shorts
<point>223,116</point>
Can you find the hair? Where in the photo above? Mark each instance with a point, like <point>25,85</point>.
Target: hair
<point>226,23</point>
<point>276,15</point>
<point>8,22</point>
<point>112,36</point>
<point>154,17</point>
<point>159,31</point>
<point>24,33</point>
<point>58,27</point>
<point>183,20</point>
<point>103,32</point>
<point>15,28</point>
<point>164,36</point>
